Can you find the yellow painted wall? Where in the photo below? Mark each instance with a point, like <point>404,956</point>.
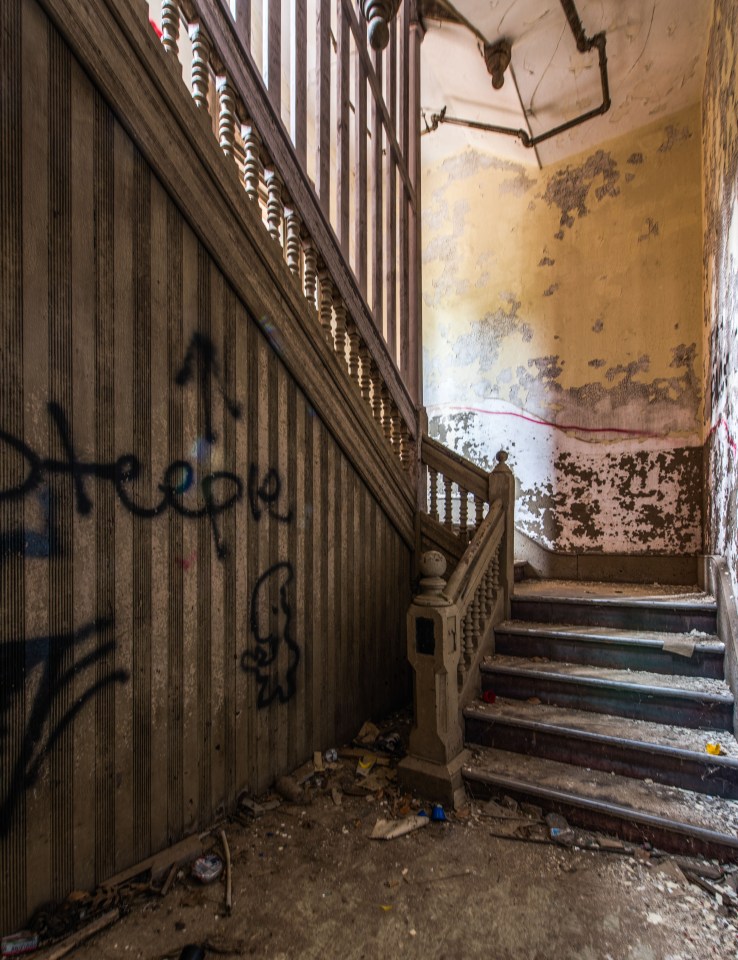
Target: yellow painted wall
<point>562,319</point>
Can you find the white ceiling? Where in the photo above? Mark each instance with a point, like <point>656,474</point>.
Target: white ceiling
<point>656,62</point>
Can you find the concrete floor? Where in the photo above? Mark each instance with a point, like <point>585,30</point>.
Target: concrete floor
<point>309,883</point>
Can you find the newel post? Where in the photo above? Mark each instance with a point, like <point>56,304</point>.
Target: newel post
<point>502,487</point>
<point>435,756</point>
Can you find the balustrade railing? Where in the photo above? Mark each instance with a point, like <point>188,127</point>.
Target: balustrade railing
<point>212,44</point>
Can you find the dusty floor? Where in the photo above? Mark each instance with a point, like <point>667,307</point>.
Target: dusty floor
<point>309,883</point>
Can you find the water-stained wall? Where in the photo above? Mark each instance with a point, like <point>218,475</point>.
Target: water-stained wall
<point>720,142</point>
<point>197,587</point>
<point>562,322</point>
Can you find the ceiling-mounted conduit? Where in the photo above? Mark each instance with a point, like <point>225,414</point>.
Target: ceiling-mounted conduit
<point>584,45</point>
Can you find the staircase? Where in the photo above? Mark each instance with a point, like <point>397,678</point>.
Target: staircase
<point>604,699</point>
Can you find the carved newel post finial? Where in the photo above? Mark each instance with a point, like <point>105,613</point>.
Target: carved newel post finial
<point>432,584</point>
<point>501,458</point>
<point>378,14</point>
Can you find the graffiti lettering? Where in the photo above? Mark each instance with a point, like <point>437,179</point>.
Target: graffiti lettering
<point>201,353</point>
<point>275,647</point>
<point>39,739</point>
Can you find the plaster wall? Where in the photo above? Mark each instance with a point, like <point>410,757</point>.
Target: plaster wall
<point>562,323</point>
<point>720,146</point>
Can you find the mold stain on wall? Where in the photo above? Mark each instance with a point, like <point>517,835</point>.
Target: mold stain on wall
<point>720,277</point>
<point>580,351</point>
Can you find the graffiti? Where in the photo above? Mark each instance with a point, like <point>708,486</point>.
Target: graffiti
<point>49,653</point>
<point>268,491</point>
<point>42,542</point>
<point>271,633</point>
<point>201,354</point>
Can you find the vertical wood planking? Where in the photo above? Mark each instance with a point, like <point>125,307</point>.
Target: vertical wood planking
<point>414,378</point>
<point>81,107</point>
<point>175,536</point>
<point>291,542</point>
<point>390,178</point>
<point>377,234</point>
<point>273,53</point>
<point>228,350</point>
<point>255,415</point>
<point>12,587</point>
<point>360,217</point>
<point>23,392</point>
<point>243,22</point>
<point>323,105</point>
<point>343,167</point>
<point>239,365</point>
<point>298,79</point>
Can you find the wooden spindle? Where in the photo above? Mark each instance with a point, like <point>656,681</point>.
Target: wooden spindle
<point>252,167</point>
<point>310,252</point>
<point>293,226</point>
<point>433,484</point>
<point>226,117</point>
<point>488,591</point>
<point>275,209</point>
<point>200,66</point>
<point>339,331</point>
<point>468,641</point>
<point>386,414</point>
<point>476,626</point>
<point>376,391</point>
<point>325,310</point>
<point>365,380</point>
<point>405,446</point>
<point>463,512</point>
<point>396,431</point>
<point>170,29</point>
<point>353,349</point>
<point>463,658</point>
<point>478,508</point>
<point>448,503</point>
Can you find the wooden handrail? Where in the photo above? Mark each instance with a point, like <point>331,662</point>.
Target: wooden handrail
<point>461,471</point>
<point>465,579</point>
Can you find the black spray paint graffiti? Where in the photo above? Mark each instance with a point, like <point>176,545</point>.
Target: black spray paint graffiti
<point>201,353</point>
<point>273,638</point>
<point>39,738</point>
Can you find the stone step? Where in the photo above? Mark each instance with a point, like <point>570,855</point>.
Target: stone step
<point>634,748</point>
<point>686,701</point>
<point>613,647</point>
<point>667,817</point>
<point>625,606</point>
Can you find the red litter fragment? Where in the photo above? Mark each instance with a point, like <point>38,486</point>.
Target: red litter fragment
<point>155,25</point>
<point>489,697</point>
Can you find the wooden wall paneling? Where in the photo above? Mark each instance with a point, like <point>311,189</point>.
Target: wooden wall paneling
<point>403,283</point>
<point>316,564</point>
<point>304,570</point>
<point>123,380</point>
<point>243,22</point>
<point>361,223</point>
<point>81,416</point>
<point>237,361</point>
<point>218,564</point>
<point>142,489</point>
<point>299,79</point>
<point>293,540</point>
<point>377,226</point>
<point>175,531</point>
<point>266,597</point>
<point>343,598</point>
<point>24,351</point>
<point>415,365</point>
<point>343,128</point>
<point>228,567</point>
<point>323,105</point>
<point>390,179</point>
<point>273,52</point>
<point>282,432</point>
<point>331,534</point>
<point>61,593</point>
<point>253,551</point>
<point>204,635</point>
<point>191,721</point>
<point>160,558</point>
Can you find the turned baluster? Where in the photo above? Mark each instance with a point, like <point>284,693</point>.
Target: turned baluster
<point>396,431</point>
<point>376,392</point>
<point>433,483</point>
<point>275,209</point>
<point>386,414</point>
<point>339,333</point>
<point>252,161</point>
<point>170,29</point>
<point>352,335</point>
<point>488,590</point>
<point>226,117</point>
<point>405,448</point>
<point>365,379</point>
<point>462,659</point>
<point>448,518</point>
<point>468,649</point>
<point>325,311</point>
<point>200,66</point>
<point>311,270</point>
<point>478,508</point>
<point>463,512</point>
<point>293,227</point>
<point>495,569</point>
<point>475,621</point>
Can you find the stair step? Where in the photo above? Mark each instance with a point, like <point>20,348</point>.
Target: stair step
<point>668,817</point>
<point>612,647</point>
<point>686,701</point>
<point>626,606</point>
<point>666,754</point>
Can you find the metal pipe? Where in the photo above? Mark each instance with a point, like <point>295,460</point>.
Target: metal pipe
<point>584,45</point>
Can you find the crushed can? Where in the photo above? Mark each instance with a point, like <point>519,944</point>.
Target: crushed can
<point>16,944</point>
<point>208,868</point>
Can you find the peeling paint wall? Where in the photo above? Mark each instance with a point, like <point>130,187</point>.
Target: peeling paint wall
<point>720,145</point>
<point>562,322</point>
